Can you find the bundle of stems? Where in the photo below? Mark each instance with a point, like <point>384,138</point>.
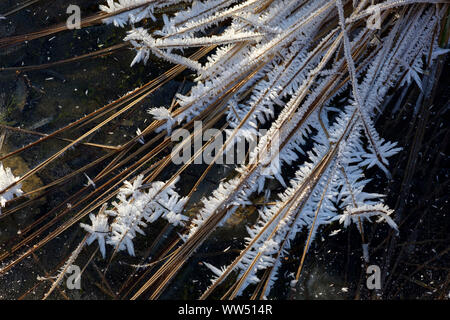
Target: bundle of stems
<point>315,73</point>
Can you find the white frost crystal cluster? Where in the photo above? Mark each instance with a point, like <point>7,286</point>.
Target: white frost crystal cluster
<point>6,179</point>
<point>131,213</point>
<point>98,230</point>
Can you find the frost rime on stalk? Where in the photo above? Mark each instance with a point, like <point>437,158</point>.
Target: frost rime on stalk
<point>290,73</point>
